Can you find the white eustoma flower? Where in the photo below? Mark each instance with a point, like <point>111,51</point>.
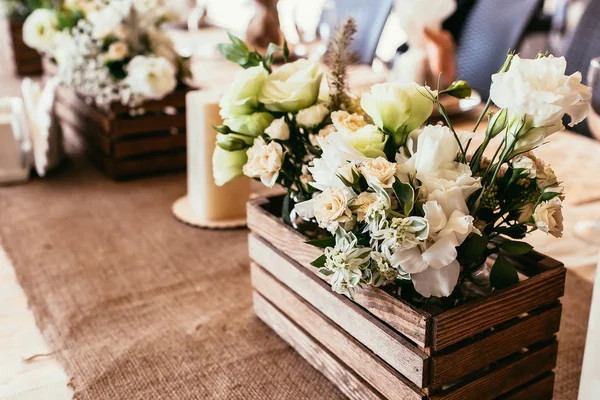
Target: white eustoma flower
<point>151,77</point>
<point>292,87</point>
<point>345,263</point>
<point>241,97</point>
<point>548,217</point>
<point>537,94</point>
<point>379,172</point>
<point>278,129</point>
<point>398,108</point>
<point>312,116</point>
<point>40,29</point>
<point>227,165</point>
<point>331,208</point>
<point>106,20</point>
<point>264,161</point>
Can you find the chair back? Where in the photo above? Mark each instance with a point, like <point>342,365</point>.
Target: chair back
<point>492,28</point>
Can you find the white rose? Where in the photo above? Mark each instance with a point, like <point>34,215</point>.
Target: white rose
<point>379,172</point>
<point>345,122</point>
<point>264,161</point>
<point>117,51</point>
<point>548,217</point>
<point>292,87</point>
<point>362,203</point>
<point>526,164</point>
<point>312,116</point>
<point>151,77</point>
<point>331,209</point>
<point>398,108</point>
<point>278,129</point>
<point>227,165</point>
<point>242,96</point>
<point>105,21</point>
<point>369,140</point>
<point>251,125</point>
<point>40,29</point>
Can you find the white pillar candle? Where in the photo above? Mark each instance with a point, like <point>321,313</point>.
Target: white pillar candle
<point>210,203</point>
<point>589,387</point>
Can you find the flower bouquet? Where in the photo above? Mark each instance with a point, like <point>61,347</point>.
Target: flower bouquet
<point>123,90</point>
<point>410,214</point>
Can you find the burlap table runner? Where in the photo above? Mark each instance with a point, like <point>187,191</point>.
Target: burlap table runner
<point>139,306</point>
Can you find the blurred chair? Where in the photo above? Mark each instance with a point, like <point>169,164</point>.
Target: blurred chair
<point>492,28</point>
<point>370,17</point>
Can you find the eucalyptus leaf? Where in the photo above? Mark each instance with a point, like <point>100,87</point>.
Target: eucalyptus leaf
<point>503,274</point>
<point>405,195</point>
<point>322,243</point>
<point>518,248</point>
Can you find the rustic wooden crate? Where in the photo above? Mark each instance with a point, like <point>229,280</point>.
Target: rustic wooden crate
<point>380,346</point>
<point>28,62</point>
<point>125,146</point>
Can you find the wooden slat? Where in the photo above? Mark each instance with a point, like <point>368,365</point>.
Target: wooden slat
<point>462,322</point>
<point>356,356</point>
<point>402,355</point>
<point>322,360</point>
<point>148,123</point>
<point>541,388</point>
<point>153,144</point>
<point>406,319</point>
<point>506,376</point>
<point>502,342</point>
<point>74,127</point>
<point>152,164</point>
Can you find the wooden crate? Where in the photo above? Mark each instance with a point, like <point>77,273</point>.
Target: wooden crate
<point>379,346</point>
<point>125,146</point>
<point>28,62</point>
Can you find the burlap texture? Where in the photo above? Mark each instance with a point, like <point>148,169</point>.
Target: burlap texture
<point>140,306</point>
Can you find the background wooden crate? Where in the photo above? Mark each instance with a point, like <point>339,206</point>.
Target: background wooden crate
<point>126,146</point>
<point>28,62</point>
<point>379,345</point>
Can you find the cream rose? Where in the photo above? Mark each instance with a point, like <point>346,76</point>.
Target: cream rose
<point>278,129</point>
<point>264,161</point>
<point>241,97</point>
<point>117,51</point>
<point>326,131</point>
<point>526,213</point>
<point>312,116</point>
<point>398,108</point>
<point>362,203</point>
<point>526,164</point>
<point>545,176</point>
<point>347,123</point>
<point>548,217</point>
<point>227,165</point>
<point>292,87</point>
<point>40,29</point>
<point>348,172</point>
<point>151,77</point>
<point>331,208</point>
<point>252,125</point>
<point>379,172</point>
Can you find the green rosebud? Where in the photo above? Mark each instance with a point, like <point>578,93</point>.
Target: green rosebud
<point>497,123</point>
<point>459,89</point>
<point>251,125</point>
<point>233,142</point>
<point>224,129</point>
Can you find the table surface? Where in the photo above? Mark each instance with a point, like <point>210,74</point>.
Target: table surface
<point>574,158</point>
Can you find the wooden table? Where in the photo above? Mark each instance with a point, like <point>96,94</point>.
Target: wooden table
<point>575,159</point>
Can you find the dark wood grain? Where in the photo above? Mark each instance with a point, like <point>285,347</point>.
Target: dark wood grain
<point>27,60</point>
<point>541,388</point>
<point>352,353</point>
<point>400,354</point>
<point>322,360</point>
<point>453,364</point>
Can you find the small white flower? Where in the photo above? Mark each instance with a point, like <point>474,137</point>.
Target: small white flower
<point>264,161</point>
<point>151,77</point>
<point>312,116</point>
<point>548,217</point>
<point>379,172</point>
<point>278,129</point>
<point>345,263</point>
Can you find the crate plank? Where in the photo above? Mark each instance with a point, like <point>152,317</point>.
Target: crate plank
<point>506,376</point>
<point>406,319</point>
<point>144,145</point>
<point>460,323</point>
<point>383,341</point>
<point>148,123</point>
<point>502,342</point>
<point>352,353</point>
<point>322,360</point>
<point>541,388</point>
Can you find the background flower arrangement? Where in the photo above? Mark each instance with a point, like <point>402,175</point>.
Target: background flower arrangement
<point>404,204</point>
<point>18,10</point>
<point>109,51</point>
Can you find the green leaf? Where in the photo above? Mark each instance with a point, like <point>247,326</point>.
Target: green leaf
<point>236,41</point>
<point>271,50</point>
<point>234,54</point>
<point>548,195</point>
<point>503,274</point>
<point>286,51</point>
<point>319,262</point>
<point>322,243</point>
<point>516,231</point>
<point>325,272</point>
<point>473,248</point>
<point>285,210</point>
<point>405,195</point>
<point>518,248</point>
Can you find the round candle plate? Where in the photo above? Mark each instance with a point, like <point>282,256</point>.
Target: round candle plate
<point>183,212</point>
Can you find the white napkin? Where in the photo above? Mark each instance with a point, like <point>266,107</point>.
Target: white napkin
<point>415,15</point>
